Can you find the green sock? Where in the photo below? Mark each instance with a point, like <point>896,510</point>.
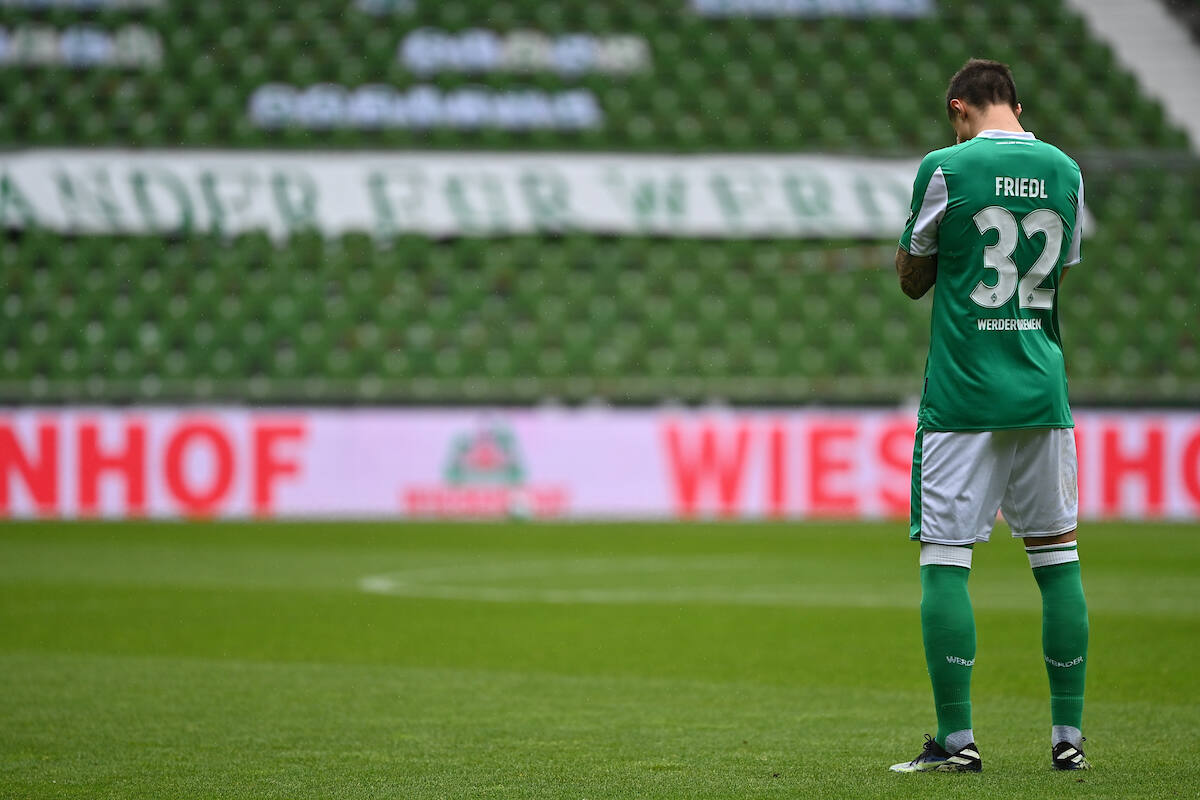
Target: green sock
<point>948,628</point>
<point>1064,632</point>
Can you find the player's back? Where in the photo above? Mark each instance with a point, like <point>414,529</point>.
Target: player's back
<point>1009,220</point>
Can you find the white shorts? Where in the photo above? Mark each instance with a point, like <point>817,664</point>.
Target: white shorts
<point>961,479</point>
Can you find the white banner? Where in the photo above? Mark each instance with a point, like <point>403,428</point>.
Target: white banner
<point>652,464</point>
<point>451,194</point>
<point>813,8</point>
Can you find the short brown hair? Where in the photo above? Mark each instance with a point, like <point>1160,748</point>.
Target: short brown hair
<point>982,82</point>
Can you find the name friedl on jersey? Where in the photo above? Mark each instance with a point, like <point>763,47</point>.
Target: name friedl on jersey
<point>1020,187</point>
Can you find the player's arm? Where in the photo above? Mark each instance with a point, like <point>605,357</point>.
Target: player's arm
<point>916,257</point>
<point>917,274</point>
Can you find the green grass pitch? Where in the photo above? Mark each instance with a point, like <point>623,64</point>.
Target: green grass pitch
<point>332,660</point>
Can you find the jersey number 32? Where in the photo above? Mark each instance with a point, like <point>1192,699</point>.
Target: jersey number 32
<point>998,257</point>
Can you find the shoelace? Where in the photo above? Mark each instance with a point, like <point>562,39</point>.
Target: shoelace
<point>929,744</point>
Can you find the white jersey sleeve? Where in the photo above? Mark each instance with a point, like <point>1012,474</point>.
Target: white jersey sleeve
<point>1073,253</point>
<point>923,236</point>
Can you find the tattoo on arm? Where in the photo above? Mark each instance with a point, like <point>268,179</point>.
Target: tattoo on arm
<point>917,273</point>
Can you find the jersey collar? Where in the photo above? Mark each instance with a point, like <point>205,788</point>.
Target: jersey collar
<point>994,134</point>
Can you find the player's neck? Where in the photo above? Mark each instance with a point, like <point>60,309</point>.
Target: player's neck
<point>996,118</point>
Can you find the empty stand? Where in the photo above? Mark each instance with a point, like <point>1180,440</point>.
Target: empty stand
<point>412,319</point>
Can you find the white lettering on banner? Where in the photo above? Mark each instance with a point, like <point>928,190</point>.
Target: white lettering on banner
<point>84,5</point>
<point>80,47</point>
<point>428,51</point>
<point>331,105</point>
<point>477,194</point>
<point>381,7</point>
<point>535,463</point>
<point>813,8</point>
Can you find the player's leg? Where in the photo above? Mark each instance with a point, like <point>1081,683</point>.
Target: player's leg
<point>948,633</point>
<point>958,481</point>
<point>1064,642</point>
<point>1042,506</point>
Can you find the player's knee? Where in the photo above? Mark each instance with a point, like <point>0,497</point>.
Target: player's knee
<point>1061,538</point>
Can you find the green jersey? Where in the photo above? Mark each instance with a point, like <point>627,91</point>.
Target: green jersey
<point>1002,212</point>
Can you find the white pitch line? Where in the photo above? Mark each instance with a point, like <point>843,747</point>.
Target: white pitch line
<point>624,596</point>
<point>460,582</point>
<point>725,585</point>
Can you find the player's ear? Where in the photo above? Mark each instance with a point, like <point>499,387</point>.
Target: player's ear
<point>1018,109</point>
<point>959,108</point>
